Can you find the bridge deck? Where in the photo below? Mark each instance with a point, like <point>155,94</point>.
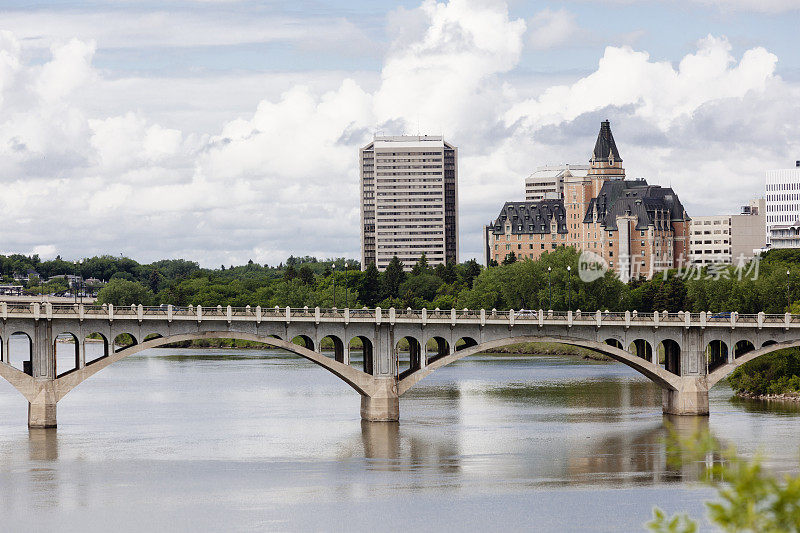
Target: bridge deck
<point>392,316</point>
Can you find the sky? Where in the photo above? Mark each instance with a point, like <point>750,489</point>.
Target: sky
<point>223,131</point>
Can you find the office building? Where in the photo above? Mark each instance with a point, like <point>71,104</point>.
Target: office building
<point>782,199</point>
<point>409,200</point>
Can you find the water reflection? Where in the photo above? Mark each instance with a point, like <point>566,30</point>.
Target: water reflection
<point>43,444</point>
<point>389,447</point>
<point>641,456</point>
<point>768,406</point>
<point>381,440</point>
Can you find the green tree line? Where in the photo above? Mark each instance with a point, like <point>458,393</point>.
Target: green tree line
<point>545,283</point>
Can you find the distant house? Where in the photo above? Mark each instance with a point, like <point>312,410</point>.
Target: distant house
<point>30,273</point>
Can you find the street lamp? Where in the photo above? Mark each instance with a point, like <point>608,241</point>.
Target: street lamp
<point>788,305</point>
<point>346,287</point>
<point>569,288</point>
<point>549,289</point>
<point>333,268</point>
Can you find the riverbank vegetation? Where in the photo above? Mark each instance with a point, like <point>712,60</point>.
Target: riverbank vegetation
<point>773,375</point>
<point>545,284</point>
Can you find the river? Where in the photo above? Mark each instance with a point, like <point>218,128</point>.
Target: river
<point>245,440</point>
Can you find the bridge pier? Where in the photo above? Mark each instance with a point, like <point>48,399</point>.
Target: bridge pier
<point>690,399</point>
<point>380,409</point>
<point>42,410</point>
<point>384,404</point>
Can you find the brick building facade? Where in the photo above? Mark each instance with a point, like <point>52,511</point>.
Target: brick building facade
<point>638,229</point>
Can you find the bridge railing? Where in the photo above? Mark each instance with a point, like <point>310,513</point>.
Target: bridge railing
<point>523,316</point>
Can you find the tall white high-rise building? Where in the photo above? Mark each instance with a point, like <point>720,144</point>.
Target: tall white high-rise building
<point>409,200</point>
<point>783,198</point>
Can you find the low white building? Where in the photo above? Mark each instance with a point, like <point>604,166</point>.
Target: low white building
<point>710,240</point>
<point>785,236</point>
<point>547,182</point>
<point>728,238</point>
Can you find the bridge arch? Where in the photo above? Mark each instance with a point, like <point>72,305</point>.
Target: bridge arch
<point>363,383</point>
<point>77,352</point>
<point>641,348</point>
<point>10,356</point>
<point>716,354</point>
<point>91,338</point>
<point>616,343</point>
<point>304,341</point>
<point>338,347</point>
<point>124,338</point>
<point>442,348</point>
<point>768,347</point>
<point>414,361</point>
<point>742,347</point>
<point>464,343</point>
<point>367,353</point>
<point>660,376</point>
<point>671,349</point>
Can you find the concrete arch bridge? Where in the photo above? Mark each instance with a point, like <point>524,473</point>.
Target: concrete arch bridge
<point>684,353</point>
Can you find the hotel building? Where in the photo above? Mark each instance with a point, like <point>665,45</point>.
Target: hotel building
<point>637,228</point>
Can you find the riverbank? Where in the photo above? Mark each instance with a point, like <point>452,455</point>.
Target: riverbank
<point>788,397</point>
<point>547,348</point>
<point>523,349</point>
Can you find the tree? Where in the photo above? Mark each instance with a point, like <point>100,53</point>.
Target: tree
<point>421,266</point>
<point>670,295</point>
<point>392,277</point>
<point>369,289</point>
<point>123,292</point>
<point>154,281</point>
<point>510,258</point>
<point>305,274</point>
<point>418,291</point>
<point>446,273</point>
<point>290,273</point>
<point>471,271</point>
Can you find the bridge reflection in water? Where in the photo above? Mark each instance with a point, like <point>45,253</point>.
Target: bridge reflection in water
<point>685,354</point>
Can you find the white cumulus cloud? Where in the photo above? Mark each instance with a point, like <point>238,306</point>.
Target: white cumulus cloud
<point>87,173</point>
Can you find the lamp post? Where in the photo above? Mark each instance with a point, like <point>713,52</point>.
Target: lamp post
<point>333,269</point>
<point>788,304</point>
<point>346,287</point>
<point>75,282</point>
<point>569,288</point>
<point>549,289</point>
